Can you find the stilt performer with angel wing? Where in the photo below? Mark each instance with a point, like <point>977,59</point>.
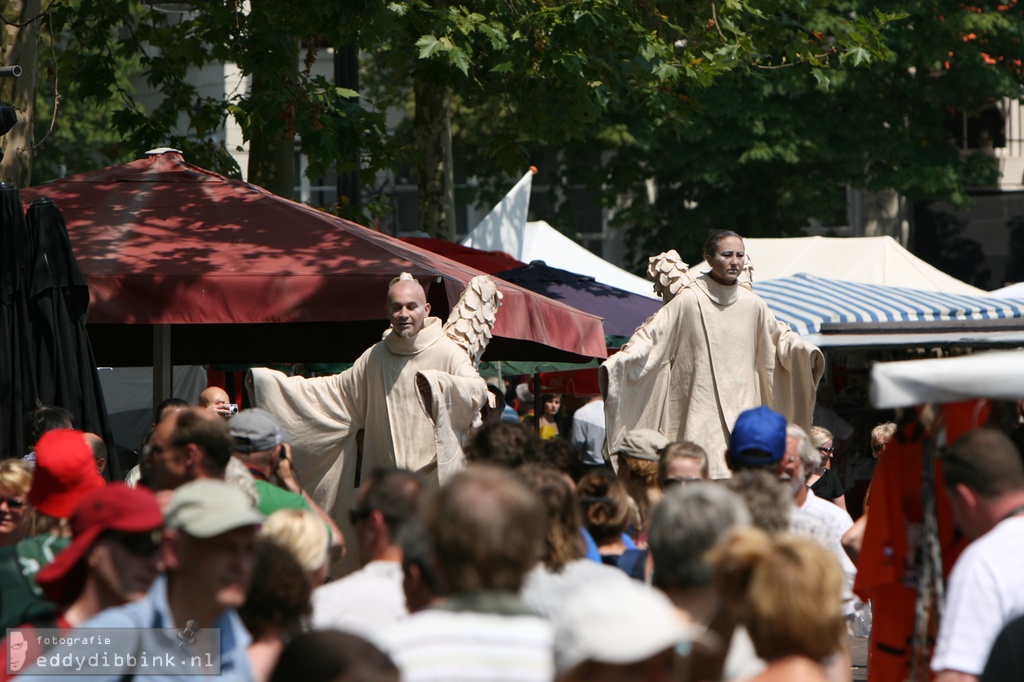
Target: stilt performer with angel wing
<point>415,394</point>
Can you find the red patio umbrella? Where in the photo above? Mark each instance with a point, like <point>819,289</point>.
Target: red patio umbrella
<point>243,275</point>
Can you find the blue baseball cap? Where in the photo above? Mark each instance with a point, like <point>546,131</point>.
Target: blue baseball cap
<point>758,439</point>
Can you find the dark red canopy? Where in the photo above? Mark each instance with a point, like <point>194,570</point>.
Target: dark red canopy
<point>484,261</point>
<point>162,241</point>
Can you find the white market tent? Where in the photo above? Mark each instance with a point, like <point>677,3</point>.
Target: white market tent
<point>539,241</point>
<point>867,260</point>
<point>1012,291</point>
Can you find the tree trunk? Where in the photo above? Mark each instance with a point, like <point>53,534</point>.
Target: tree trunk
<point>21,49</point>
<point>432,132</point>
<point>272,138</point>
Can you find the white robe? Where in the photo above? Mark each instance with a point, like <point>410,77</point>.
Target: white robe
<point>710,353</point>
<point>377,394</point>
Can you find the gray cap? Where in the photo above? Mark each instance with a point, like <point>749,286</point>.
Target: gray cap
<point>643,444</point>
<point>256,430</point>
<point>207,507</point>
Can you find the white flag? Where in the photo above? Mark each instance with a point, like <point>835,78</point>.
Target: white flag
<point>503,228</point>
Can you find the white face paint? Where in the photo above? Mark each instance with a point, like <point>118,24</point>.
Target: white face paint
<point>407,308</point>
<point>727,263</point>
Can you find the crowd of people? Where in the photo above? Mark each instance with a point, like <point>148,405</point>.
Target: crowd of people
<point>404,521</point>
<point>528,565</point>
<point>531,564</point>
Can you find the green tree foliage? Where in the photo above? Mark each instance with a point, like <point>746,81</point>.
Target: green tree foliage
<point>534,76</point>
<point>530,72</point>
<point>99,41</point>
<point>766,149</point>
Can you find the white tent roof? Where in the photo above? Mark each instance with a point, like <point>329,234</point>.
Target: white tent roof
<point>1012,291</point>
<point>868,260</point>
<point>539,241</point>
<point>981,375</point>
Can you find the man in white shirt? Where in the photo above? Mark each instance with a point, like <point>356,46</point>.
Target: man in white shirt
<point>372,597</point>
<point>812,516</point>
<point>588,431</point>
<point>487,529</point>
<point>984,477</point>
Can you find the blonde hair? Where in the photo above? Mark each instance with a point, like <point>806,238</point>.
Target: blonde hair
<point>820,435</point>
<point>884,430</point>
<point>683,450</point>
<point>15,477</point>
<point>302,533</point>
<point>42,524</point>
<point>786,590</point>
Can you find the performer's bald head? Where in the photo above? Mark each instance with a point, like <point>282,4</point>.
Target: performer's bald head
<point>407,307</point>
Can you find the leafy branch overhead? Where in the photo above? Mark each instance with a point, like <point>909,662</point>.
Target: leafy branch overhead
<point>661,110</point>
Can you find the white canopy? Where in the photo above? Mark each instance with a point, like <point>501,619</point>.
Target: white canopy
<point>997,374</point>
<point>539,241</point>
<point>1012,291</point>
<point>868,260</point>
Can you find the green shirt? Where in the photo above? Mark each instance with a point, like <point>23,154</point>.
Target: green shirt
<point>273,498</point>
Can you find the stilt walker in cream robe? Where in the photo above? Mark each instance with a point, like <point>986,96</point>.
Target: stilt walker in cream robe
<point>415,394</point>
<point>713,351</point>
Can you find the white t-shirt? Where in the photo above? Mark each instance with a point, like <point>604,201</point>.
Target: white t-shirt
<point>823,521</point>
<point>361,602</point>
<point>986,591</point>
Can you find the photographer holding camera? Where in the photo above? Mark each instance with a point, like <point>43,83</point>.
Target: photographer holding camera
<point>216,400</point>
<point>264,447</point>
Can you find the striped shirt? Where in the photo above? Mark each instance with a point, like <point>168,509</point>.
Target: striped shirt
<point>464,646</point>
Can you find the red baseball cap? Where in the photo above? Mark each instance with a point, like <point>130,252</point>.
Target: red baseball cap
<point>65,470</point>
<point>114,507</point>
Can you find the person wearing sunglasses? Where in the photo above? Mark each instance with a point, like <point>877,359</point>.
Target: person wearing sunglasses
<point>15,482</point>
<point>113,559</point>
<point>880,437</point>
<point>823,481</point>
<point>64,472</point>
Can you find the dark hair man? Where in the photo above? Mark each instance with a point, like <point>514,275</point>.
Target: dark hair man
<point>488,531</point>
<point>372,597</point>
<point>984,477</point>
<point>187,445</point>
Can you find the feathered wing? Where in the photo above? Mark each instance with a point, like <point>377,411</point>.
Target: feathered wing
<point>472,319</point>
<point>670,274</point>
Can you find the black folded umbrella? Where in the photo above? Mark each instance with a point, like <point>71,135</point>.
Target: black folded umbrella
<point>16,387</point>
<point>64,368</point>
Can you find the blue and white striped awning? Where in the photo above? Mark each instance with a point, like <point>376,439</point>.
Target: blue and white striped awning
<point>808,302</point>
